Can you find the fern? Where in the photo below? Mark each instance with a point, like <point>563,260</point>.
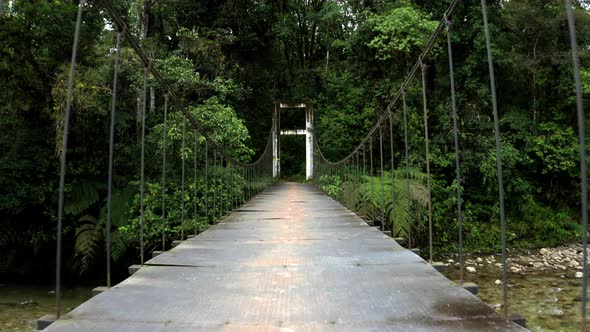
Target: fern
<point>118,246</point>
<point>120,207</point>
<point>366,197</point>
<point>88,237</point>
<point>91,233</point>
<point>83,194</point>
<point>8,236</point>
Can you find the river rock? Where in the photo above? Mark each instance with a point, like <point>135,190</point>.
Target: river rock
<point>573,263</point>
<point>479,260</point>
<point>28,303</point>
<point>556,312</point>
<point>543,251</point>
<point>498,282</point>
<point>471,269</point>
<point>579,274</point>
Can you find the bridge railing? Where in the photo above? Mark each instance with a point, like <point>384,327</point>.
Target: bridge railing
<point>218,183</point>
<point>395,195</point>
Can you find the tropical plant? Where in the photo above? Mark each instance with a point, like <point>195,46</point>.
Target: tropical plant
<point>91,231</point>
<point>364,194</point>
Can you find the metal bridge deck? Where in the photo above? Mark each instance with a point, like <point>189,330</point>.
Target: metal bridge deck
<point>292,259</point>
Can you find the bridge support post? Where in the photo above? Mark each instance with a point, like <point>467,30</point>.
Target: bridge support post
<point>309,142</point>
<point>133,268</point>
<point>45,321</point>
<point>471,287</point>
<point>276,134</point>
<point>439,266</point>
<point>517,319</point>
<point>98,290</point>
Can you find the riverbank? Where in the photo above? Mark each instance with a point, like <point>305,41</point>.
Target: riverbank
<point>565,259</point>
<point>22,305</point>
<point>544,285</point>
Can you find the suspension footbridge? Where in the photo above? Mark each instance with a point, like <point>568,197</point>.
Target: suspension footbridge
<point>286,256</point>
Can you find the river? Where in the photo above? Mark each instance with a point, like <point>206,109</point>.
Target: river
<point>21,305</point>
<point>548,301</point>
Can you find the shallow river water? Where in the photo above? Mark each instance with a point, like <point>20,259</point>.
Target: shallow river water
<point>21,305</point>
<point>548,301</point>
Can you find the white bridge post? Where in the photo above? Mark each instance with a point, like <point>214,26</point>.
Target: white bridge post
<point>309,142</point>
<point>277,132</point>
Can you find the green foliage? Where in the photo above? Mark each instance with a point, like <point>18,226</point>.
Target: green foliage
<point>90,231</point>
<point>214,195</point>
<point>366,195</point>
<point>82,195</point>
<point>400,33</point>
<point>556,147</point>
<point>331,185</point>
<point>224,127</point>
<point>345,114</point>
<point>545,226</point>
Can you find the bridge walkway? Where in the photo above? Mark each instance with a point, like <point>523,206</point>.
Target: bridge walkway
<point>292,259</point>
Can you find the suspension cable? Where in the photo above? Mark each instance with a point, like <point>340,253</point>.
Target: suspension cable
<point>207,181</point>
<point>457,152</point>
<point>357,181</point>
<point>364,182</point>
<point>214,185</point>
<point>583,166</point>
<point>427,153</point>
<point>498,153</point>
<point>393,202</point>
<point>407,157</point>
<point>165,137</point>
<point>195,215</point>
<point>372,180</point>
<point>381,176</point>
<point>221,195</point>
<point>142,166</point>
<point>111,153</point>
<point>182,179</point>
<point>64,149</point>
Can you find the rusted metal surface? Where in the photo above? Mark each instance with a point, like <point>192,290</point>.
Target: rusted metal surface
<point>291,260</point>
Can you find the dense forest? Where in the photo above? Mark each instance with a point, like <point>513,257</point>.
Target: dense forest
<point>229,61</point>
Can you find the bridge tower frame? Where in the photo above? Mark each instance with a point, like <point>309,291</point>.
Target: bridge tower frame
<point>277,133</point>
